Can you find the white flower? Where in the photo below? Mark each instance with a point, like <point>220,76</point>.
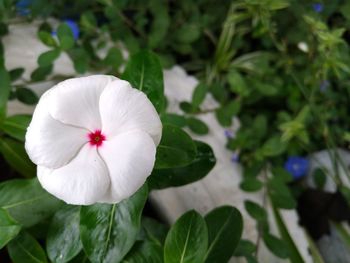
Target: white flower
<point>94,139</point>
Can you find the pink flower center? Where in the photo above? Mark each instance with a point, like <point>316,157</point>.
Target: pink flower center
<point>96,138</point>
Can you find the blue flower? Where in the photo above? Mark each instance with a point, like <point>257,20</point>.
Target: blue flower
<point>235,158</point>
<point>318,7</point>
<point>297,166</point>
<point>73,26</point>
<point>22,7</point>
<point>229,133</point>
<point>324,85</point>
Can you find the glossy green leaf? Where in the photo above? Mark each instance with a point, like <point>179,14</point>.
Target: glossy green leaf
<point>109,231</point>
<point>251,184</point>
<point>237,83</point>
<point>200,167</point>
<point>227,112</point>
<point>9,228</point>
<point>275,245</point>
<point>25,249</point>
<point>174,119</point>
<point>47,58</point>
<point>144,72</point>
<point>273,146</point>
<point>187,240</point>
<point>225,225</point>
<point>65,36</point>
<point>26,96</point>
<point>280,194</point>
<point>63,240</point>
<point>153,230</point>
<point>245,248</point>
<point>16,126</point>
<point>197,126</point>
<point>176,148</point>
<point>255,210</point>
<point>15,154</point>
<point>80,59</point>
<point>199,94</point>
<point>16,73</point>
<point>26,201</point>
<point>41,73</point>
<point>144,252</point>
<point>47,39</point>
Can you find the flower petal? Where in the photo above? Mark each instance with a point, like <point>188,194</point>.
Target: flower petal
<point>76,101</point>
<point>49,142</point>
<point>125,109</point>
<point>130,159</point>
<point>81,182</point>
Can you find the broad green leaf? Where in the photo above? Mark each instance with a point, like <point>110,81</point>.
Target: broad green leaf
<point>109,231</point>
<point>276,245</point>
<point>255,210</point>
<point>114,58</point>
<point>144,72</point>
<point>16,126</point>
<point>187,107</point>
<point>187,240</point>
<point>26,96</point>
<point>251,184</point>
<point>199,94</point>
<point>4,90</point>
<point>25,249</point>
<point>144,252</point>
<point>188,33</point>
<point>173,119</point>
<point>65,36</point>
<point>16,73</point>
<point>273,146</point>
<point>80,59</point>
<point>200,167</point>
<point>197,126</point>
<point>153,230</point>
<point>63,240</point>
<point>280,194</point>
<point>15,154</point>
<point>26,201</point>
<point>227,112</point>
<point>9,228</point>
<point>160,23</point>
<point>225,225</point>
<point>176,148</point>
<point>48,58</point>
<point>41,73</point>
<point>47,39</point>
<point>237,83</point>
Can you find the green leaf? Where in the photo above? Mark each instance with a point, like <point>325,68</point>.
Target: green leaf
<point>280,194</point>
<point>65,36</point>
<point>174,119</point>
<point>48,58</point>
<point>41,73</point>
<point>245,248</point>
<point>4,90</point>
<point>320,178</point>
<point>47,39</point>
<point>16,73</point>
<point>26,96</point>
<point>16,126</point>
<point>266,89</point>
<point>9,228</point>
<point>225,225</point>
<point>273,147</point>
<point>26,201</point>
<point>238,84</point>
<point>275,245</point>
<point>199,94</point>
<point>15,154</point>
<point>153,230</point>
<point>187,240</point>
<point>109,231</point>
<point>186,107</point>
<point>80,59</point>
<point>251,184</point>
<point>255,210</point>
<point>114,58</point>
<point>63,240</point>
<point>25,249</point>
<point>176,148</point>
<point>200,167</point>
<point>197,126</point>
<point>188,33</point>
<point>144,72</point>
<point>145,252</point>
<point>227,112</point>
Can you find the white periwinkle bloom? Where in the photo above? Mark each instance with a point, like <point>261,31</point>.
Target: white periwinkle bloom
<point>94,139</point>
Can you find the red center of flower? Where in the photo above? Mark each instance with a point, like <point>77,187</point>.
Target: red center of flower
<point>96,138</point>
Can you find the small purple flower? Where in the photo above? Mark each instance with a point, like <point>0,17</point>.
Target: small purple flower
<point>324,85</point>
<point>229,134</point>
<point>73,26</point>
<point>22,7</point>
<point>235,158</point>
<point>318,7</point>
<point>296,166</point>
